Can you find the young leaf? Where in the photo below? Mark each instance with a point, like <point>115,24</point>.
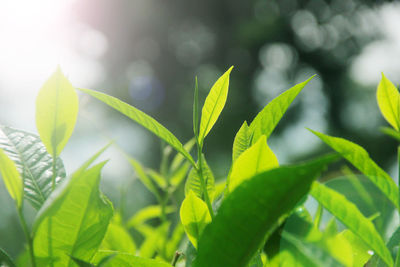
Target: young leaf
<point>251,212</point>
<point>126,260</point>
<point>11,178</point>
<point>154,237</point>
<point>178,159</point>
<point>351,217</point>
<point>143,119</point>
<point>196,110</point>
<point>213,105</point>
<point>56,112</point>
<point>157,178</point>
<point>258,158</point>
<point>242,141</point>
<point>6,259</point>
<point>358,247</point>
<point>179,175</point>
<point>73,220</point>
<point>118,238</point>
<point>147,213</point>
<point>389,102</point>
<point>194,217</point>
<point>33,163</point>
<point>193,181</point>
<point>143,177</point>
<point>265,121</point>
<point>357,156</point>
<point>81,263</point>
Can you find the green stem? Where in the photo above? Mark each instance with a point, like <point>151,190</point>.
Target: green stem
<point>318,215</point>
<point>27,236</point>
<point>202,182</point>
<point>176,258</point>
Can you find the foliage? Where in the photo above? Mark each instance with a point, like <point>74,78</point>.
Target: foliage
<point>220,223</point>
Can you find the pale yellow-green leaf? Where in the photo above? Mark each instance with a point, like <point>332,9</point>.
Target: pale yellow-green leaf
<point>242,141</point>
<point>258,158</point>
<point>11,177</point>
<point>118,238</point>
<point>56,112</point>
<point>194,183</point>
<point>389,102</point>
<point>194,217</point>
<point>359,248</point>
<point>147,213</point>
<point>214,104</point>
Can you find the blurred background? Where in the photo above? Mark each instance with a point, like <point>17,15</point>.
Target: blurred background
<point>147,52</point>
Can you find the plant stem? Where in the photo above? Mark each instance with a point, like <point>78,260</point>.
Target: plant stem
<point>202,182</point>
<point>398,160</point>
<point>176,258</point>
<point>27,236</point>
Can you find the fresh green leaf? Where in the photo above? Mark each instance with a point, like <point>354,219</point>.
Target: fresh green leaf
<point>358,247</point>
<point>81,263</point>
<point>178,159</point>
<point>147,213</point>
<point>118,238</point>
<point>143,119</point>
<point>194,183</point>
<point>242,141</point>
<point>194,216</point>
<point>143,177</point>
<point>33,163</point>
<point>251,212</point>
<point>56,112</point>
<point>154,238</point>
<point>357,156</point>
<point>196,110</point>
<point>73,220</point>
<point>127,260</point>
<point>258,158</point>
<point>389,102</point>
<point>179,175</point>
<point>267,119</point>
<point>351,217</point>
<point>157,178</point>
<point>213,105</point>
<point>6,259</point>
<point>11,177</point>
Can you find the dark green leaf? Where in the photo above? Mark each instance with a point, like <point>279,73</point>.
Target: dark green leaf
<point>252,211</point>
<point>33,162</point>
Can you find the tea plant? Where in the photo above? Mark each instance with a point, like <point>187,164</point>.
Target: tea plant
<point>226,223</point>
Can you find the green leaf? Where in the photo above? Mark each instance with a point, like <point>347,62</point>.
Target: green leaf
<point>143,119</point>
<point>389,102</point>
<point>194,217</point>
<point>357,156</point>
<point>178,159</point>
<point>242,141</point>
<point>267,119</point>
<point>118,238</point>
<point>147,213</point>
<point>56,112</point>
<point>196,110</point>
<point>352,218</point>
<point>179,175</point>
<point>154,238</point>
<point>157,178</point>
<point>251,212</point>
<point>390,132</point>
<point>258,158</point>
<point>11,177</point>
<point>127,260</point>
<point>193,181</point>
<point>6,259</point>
<point>33,163</point>
<point>143,177</point>
<point>358,248</point>
<point>73,220</point>
<point>213,105</point>
<point>81,263</point>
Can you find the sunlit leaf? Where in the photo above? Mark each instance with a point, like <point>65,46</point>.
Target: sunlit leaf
<point>357,156</point>
<point>194,217</point>
<point>73,220</point>
<point>358,247</point>
<point>179,175</point>
<point>157,178</point>
<point>193,181</point>
<point>117,238</point>
<point>178,159</point>
<point>154,239</point>
<point>56,112</point>
<point>143,119</point>
<point>258,158</point>
<point>11,177</point>
<point>214,104</point>
<point>147,213</point>
<point>251,212</point>
<point>33,163</point>
<point>351,217</point>
<point>143,177</point>
<point>267,119</point>
<point>127,260</point>
<point>242,141</point>
<point>389,102</point>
